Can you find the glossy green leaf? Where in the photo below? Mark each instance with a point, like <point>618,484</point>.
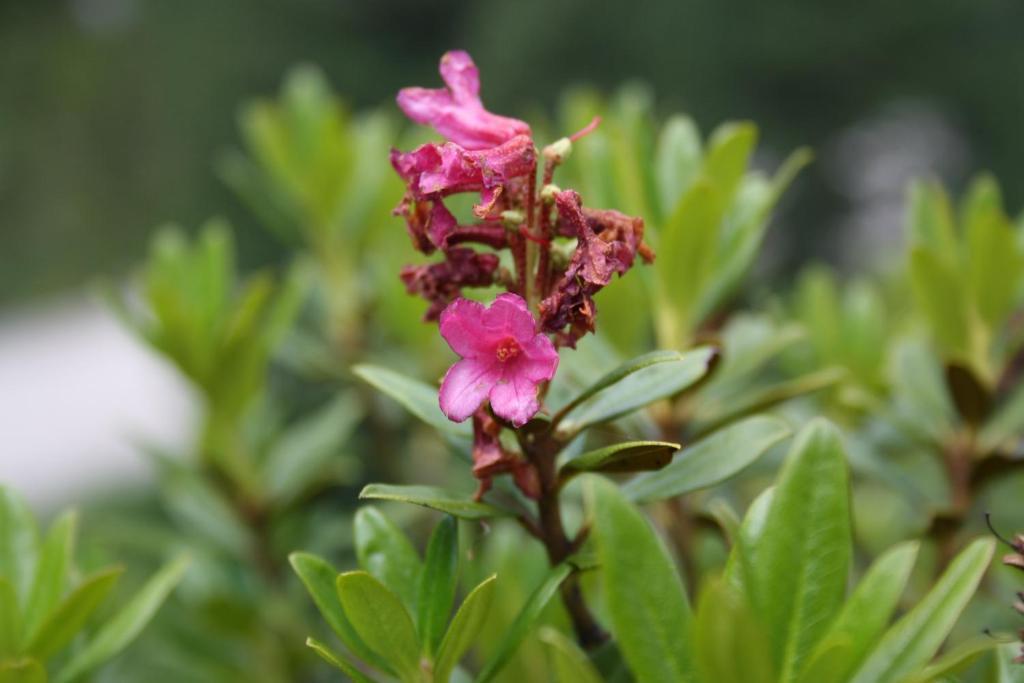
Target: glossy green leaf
<point>22,671</point>
<point>413,395</point>
<point>437,580</point>
<point>634,384</point>
<point>711,460</point>
<point>629,456</point>
<point>126,624</point>
<point>320,580</point>
<point>730,645</point>
<point>801,560</point>
<point>678,159</point>
<point>386,552</point>
<point>64,622</point>
<point>454,504</point>
<point>913,640</point>
<point>10,620</point>
<point>728,153</point>
<point>649,610</point>
<point>381,621</point>
<point>337,660</point>
<point>465,628</point>
<point>524,622</point>
<point>52,572</point>
<point>569,664</point>
<point>740,569</point>
<point>867,611</point>
<point>18,541</point>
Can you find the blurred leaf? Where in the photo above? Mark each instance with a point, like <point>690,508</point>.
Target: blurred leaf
<point>415,396</point>
<point>381,621</point>
<point>678,159</point>
<point>728,153</point>
<point>126,624</point>
<point>866,612</point>
<point>629,456</point>
<point>63,623</point>
<point>710,460</point>
<point>634,384</point>
<point>955,660</point>
<point>568,663</point>
<point>434,498</point>
<point>10,620</point>
<point>716,415</point>
<point>740,568</point>
<point>914,639</point>
<point>1006,423</point>
<point>386,553</point>
<point>464,629</point>
<point>971,399</point>
<point>731,646</point>
<point>436,586</point>
<point>941,297</point>
<point>995,263</point>
<point>202,509</point>
<point>920,390</point>
<point>22,671</point>
<point>524,622</point>
<point>800,562</point>
<point>19,539</point>
<point>320,580</point>
<point>930,220</point>
<point>303,452</point>
<point>648,607</point>
<point>52,572</point>
<point>337,660</point>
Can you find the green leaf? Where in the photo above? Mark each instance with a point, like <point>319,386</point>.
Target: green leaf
<point>52,572</point>
<point>729,150</point>
<point>320,580</point>
<point>305,450</point>
<point>381,621</point>
<point>867,611</point>
<point>634,384</point>
<point>930,220</point>
<point>10,620</point>
<point>995,264</point>
<point>524,622</point>
<point>956,660</point>
<point>629,456</point>
<point>740,569</point>
<point>730,644</point>
<point>415,396</point>
<point>19,539</point>
<point>437,579</point>
<point>434,498</point>
<point>650,614</point>
<point>22,671</point>
<point>915,638</point>
<point>1006,424</point>
<point>941,296</point>
<point>711,460</point>
<point>64,622</point>
<point>386,553</point>
<point>568,663</point>
<point>464,629</point>
<point>678,159</point>
<point>802,558</point>
<point>126,624</point>
<point>337,660</point>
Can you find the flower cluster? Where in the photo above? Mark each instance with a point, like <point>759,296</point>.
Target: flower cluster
<point>541,244</point>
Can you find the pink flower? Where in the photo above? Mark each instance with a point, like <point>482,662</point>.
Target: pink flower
<point>456,112</point>
<point>504,358</point>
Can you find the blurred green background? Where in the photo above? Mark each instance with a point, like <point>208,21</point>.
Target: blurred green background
<point>113,110</point>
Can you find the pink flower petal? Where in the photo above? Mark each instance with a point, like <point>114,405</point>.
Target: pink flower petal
<point>539,360</point>
<point>465,386</point>
<point>459,73</point>
<point>509,315</point>
<point>462,327</point>
<point>514,398</point>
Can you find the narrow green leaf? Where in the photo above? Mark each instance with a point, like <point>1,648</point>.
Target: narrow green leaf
<point>730,644</point>
<point>867,611</point>
<point>381,621</point>
<point>337,660</point>
<point>629,456</point>
<point>52,572</point>
<point>740,569</point>
<point>634,384</point>
<point>941,296</point>
<point>930,220</point>
<point>320,580</point>
<point>415,396</point>
<point>524,622</point>
<point>568,663</point>
<point>126,624</point>
<point>10,620</point>
<point>678,159</point>
<point>22,671</point>
<point>995,264</point>
<point>435,498</point>
<point>19,539</point>
<point>64,622</point>
<point>386,553</point>
<point>649,611</point>
<point>914,639</point>
<point>729,150</point>
<point>956,660</point>
<point>464,629</point>
<point>802,558</point>
<point>437,580</point>
<point>711,460</point>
